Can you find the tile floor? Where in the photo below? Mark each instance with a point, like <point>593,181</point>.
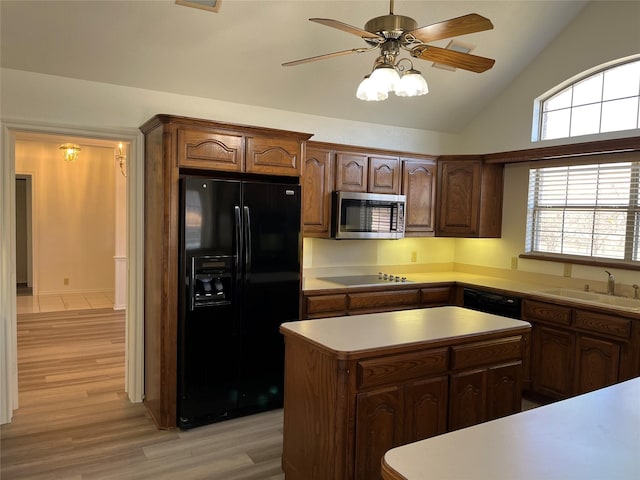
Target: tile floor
<point>59,303</point>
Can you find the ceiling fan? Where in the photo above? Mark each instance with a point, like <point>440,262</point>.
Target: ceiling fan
<point>392,33</point>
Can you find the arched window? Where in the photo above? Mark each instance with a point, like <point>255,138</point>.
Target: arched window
<point>605,101</point>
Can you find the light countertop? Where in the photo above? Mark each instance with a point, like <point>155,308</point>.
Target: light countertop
<point>592,436</point>
<point>313,283</point>
<point>517,287</point>
<point>379,330</point>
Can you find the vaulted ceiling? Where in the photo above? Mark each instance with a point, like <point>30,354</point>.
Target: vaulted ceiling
<point>236,54</point>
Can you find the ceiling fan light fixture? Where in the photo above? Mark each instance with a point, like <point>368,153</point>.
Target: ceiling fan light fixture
<point>368,90</point>
<point>412,84</point>
<point>385,77</point>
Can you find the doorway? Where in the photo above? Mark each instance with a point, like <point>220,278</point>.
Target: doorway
<point>134,187</point>
<point>24,270</point>
<point>71,237</point>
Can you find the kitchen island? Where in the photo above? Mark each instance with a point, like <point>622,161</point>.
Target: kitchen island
<point>360,385</point>
<point>591,436</point>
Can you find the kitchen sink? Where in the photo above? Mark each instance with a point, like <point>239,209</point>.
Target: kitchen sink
<point>593,297</point>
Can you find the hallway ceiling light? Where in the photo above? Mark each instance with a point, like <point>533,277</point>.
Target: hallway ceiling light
<point>70,151</point>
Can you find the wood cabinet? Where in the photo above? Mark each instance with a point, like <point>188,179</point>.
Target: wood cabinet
<point>365,172</point>
<point>173,145</point>
<point>419,186</point>
<point>332,167</point>
<point>577,350</point>
<point>317,187</point>
<point>354,301</point>
<point>344,410</point>
<point>469,197</point>
<point>209,146</point>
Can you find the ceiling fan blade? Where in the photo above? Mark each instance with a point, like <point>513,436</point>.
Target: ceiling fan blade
<point>347,28</point>
<point>452,28</point>
<point>325,56</point>
<point>466,61</point>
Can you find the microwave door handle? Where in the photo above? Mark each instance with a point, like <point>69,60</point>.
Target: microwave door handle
<point>247,240</point>
<point>238,223</point>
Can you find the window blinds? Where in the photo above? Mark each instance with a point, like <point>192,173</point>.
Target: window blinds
<point>588,210</point>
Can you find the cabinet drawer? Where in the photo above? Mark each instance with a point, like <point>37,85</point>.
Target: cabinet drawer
<point>326,305</point>
<point>211,151</point>
<point>440,295</point>
<point>273,156</point>
<point>597,322</point>
<point>399,368</point>
<point>533,310</point>
<point>382,300</point>
<point>485,353</point>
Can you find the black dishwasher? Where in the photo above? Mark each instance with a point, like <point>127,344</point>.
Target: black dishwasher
<point>489,302</point>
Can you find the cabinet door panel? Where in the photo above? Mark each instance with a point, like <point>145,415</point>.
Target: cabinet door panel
<point>351,172</point>
<point>271,156</point>
<point>459,206</point>
<point>418,185</point>
<point>597,364</point>
<point>468,399</point>
<point>505,390</point>
<point>384,175</point>
<point>207,150</point>
<point>553,357</point>
<point>379,427</point>
<point>426,408</point>
<point>317,189</point>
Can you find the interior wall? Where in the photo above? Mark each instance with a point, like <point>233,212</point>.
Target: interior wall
<point>74,216</point>
<point>605,31</point>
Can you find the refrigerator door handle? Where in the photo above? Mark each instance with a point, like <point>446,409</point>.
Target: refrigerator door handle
<point>238,222</point>
<point>247,240</point>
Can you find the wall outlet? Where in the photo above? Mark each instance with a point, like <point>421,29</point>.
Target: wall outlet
<point>414,257</point>
<point>567,270</point>
<point>66,281</point>
<point>514,263</point>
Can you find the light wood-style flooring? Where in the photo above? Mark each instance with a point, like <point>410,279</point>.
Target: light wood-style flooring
<point>60,303</point>
<point>75,421</point>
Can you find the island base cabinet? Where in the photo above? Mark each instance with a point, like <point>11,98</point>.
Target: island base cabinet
<point>379,427</point>
<point>395,416</point>
<point>343,410</point>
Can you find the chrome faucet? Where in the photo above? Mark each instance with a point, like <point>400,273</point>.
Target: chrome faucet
<point>611,283</point>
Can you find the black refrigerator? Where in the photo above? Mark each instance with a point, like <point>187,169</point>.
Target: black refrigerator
<point>239,280</point>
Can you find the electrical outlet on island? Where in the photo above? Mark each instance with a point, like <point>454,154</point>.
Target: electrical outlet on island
<point>66,281</point>
<point>414,257</point>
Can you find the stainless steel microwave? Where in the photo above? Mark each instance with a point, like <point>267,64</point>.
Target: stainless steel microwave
<point>368,215</point>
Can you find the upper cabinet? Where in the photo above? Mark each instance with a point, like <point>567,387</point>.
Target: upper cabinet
<point>448,196</point>
<point>317,186</point>
<point>208,145</point>
<point>419,186</point>
<point>367,172</point>
<point>469,197</point>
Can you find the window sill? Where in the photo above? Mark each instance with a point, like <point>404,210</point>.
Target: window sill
<point>578,260</point>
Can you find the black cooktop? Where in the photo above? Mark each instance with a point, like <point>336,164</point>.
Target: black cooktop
<point>353,280</point>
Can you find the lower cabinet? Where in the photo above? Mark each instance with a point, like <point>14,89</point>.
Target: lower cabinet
<point>343,413</point>
<point>354,301</point>
<point>394,416</point>
<point>576,350</point>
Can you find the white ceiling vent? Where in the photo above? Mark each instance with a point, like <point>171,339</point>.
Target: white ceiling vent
<point>210,5</point>
<point>458,47</point>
